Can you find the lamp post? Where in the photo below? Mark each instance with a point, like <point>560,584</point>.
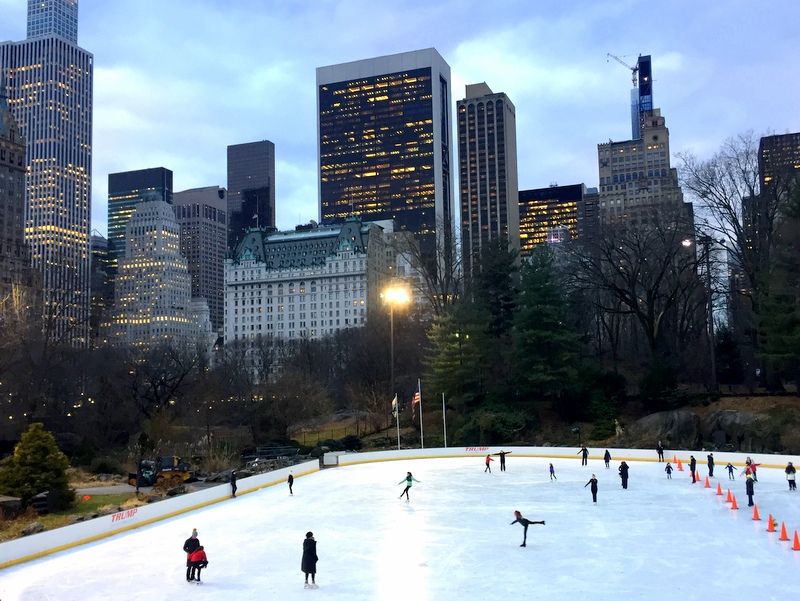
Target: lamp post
<point>394,296</point>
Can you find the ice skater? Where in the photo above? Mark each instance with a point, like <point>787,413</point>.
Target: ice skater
<point>503,459</point>
<point>791,473</point>
<point>309,562</point>
<point>668,469</point>
<point>552,473</point>
<point>749,488</point>
<point>623,473</point>
<point>692,467</point>
<point>584,452</point>
<point>660,451</point>
<point>198,561</point>
<point>607,459</point>
<point>593,482</point>
<point>189,547</point>
<point>488,464</point>
<point>408,480</point>
<point>711,465</point>
<point>290,480</point>
<point>729,467</point>
<point>233,484</point>
<point>519,519</point>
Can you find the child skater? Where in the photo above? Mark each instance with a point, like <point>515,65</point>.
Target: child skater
<point>552,473</point>
<point>488,464</point>
<point>729,467</point>
<point>519,519</point>
<point>593,482</point>
<point>407,481</point>
<point>198,561</point>
<point>668,469</point>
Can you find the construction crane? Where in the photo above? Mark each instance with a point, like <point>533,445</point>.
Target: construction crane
<point>634,70</point>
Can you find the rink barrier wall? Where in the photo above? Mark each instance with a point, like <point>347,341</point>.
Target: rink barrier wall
<point>595,454</point>
<point>48,542</point>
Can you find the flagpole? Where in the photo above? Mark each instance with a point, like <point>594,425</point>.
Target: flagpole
<point>421,431</point>
<point>444,420</point>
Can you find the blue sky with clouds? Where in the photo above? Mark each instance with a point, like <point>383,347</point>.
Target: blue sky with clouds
<point>177,81</point>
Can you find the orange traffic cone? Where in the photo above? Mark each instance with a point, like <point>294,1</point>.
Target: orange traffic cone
<point>680,466</point>
<point>729,498</point>
<point>674,459</point>
<point>708,484</point>
<point>735,506</point>
<point>783,535</point>
<point>771,525</point>
<point>719,489</point>
<point>796,545</point>
<point>755,513</point>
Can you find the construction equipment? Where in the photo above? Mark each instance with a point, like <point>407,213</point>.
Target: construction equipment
<point>164,471</point>
<point>634,70</point>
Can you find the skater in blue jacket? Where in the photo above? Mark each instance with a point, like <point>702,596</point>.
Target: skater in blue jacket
<point>519,519</point>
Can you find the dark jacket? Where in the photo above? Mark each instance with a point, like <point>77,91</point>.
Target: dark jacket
<point>190,546</point>
<point>693,464</point>
<point>309,562</point>
<point>623,471</point>
<point>748,486</point>
<point>593,482</point>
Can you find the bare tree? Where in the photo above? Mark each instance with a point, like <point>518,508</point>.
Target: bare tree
<point>731,204</point>
<point>646,271</point>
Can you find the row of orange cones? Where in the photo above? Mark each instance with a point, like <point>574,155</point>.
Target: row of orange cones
<point>771,521</point>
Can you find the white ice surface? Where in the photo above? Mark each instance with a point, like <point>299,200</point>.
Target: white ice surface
<point>659,540</point>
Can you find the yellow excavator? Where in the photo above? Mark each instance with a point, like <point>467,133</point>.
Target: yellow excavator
<point>164,471</point>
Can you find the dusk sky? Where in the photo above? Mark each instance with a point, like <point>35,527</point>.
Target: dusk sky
<point>177,81</point>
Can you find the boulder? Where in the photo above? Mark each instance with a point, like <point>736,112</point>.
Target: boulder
<point>675,429</point>
<point>33,528</point>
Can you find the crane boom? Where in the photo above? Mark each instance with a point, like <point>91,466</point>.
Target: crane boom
<point>634,70</point>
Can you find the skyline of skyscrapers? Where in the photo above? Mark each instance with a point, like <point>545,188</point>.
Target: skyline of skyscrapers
<point>384,136</point>
<point>251,188</point>
<point>487,158</point>
<point>50,89</point>
<point>153,292</point>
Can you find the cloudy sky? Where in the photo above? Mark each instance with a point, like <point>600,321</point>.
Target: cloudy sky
<point>177,81</point>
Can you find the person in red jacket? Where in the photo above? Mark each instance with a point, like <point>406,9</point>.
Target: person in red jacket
<point>488,464</point>
<point>198,561</point>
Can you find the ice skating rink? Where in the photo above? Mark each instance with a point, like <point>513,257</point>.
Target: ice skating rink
<point>659,540</point>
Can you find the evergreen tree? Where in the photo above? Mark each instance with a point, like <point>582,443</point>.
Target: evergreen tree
<point>37,465</point>
<point>546,347</point>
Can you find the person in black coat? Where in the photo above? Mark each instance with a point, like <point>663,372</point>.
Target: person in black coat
<point>584,453</point>
<point>711,465</point>
<point>519,519</point>
<point>623,473</point>
<point>660,451</point>
<point>749,487</point>
<point>309,562</point>
<point>593,482</point>
<point>189,547</point>
<point>290,480</point>
<point>607,458</point>
<point>503,459</point>
<point>233,484</point>
<point>692,467</point>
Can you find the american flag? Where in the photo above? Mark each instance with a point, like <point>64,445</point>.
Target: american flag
<point>416,397</point>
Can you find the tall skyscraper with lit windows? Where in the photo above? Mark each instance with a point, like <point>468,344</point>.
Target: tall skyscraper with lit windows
<point>487,160</point>
<point>385,139</point>
<point>50,82</point>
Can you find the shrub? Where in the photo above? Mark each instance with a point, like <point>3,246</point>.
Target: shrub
<point>36,466</point>
<point>351,442</point>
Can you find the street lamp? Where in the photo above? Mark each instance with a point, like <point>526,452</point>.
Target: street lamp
<point>706,241</point>
<point>394,295</point>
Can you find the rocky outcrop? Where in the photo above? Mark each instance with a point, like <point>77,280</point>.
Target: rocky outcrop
<point>720,431</point>
<point>33,528</point>
<point>675,429</point>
